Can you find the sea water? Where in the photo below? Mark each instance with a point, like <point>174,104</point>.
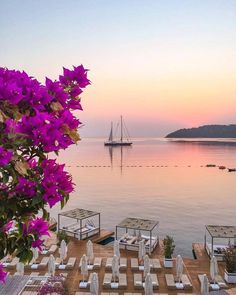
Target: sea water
<point>160,179</point>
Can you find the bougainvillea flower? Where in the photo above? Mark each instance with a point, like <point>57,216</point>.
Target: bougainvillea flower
<point>78,75</point>
<point>3,274</point>
<point>25,187</point>
<point>38,226</point>
<point>7,226</point>
<point>52,197</point>
<point>37,244</point>
<point>5,156</point>
<point>75,104</point>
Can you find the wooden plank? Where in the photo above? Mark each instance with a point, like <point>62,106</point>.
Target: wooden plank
<point>104,234</point>
<point>199,251</point>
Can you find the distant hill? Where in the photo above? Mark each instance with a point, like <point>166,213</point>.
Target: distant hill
<point>206,131</point>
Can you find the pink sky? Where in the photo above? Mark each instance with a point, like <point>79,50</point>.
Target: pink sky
<point>164,65</point>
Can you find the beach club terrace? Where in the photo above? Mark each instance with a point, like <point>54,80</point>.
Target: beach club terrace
<point>130,276</point>
<point>76,248</point>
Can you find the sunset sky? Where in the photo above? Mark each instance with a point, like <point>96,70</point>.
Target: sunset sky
<point>164,64</point>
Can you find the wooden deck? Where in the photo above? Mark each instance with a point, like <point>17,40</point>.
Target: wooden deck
<point>104,234</point>
<point>199,251</point>
<point>192,267</point>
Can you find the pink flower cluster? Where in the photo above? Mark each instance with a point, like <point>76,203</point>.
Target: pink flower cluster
<point>43,111</point>
<point>38,227</point>
<point>55,181</point>
<point>54,285</point>
<point>5,156</point>
<point>35,120</point>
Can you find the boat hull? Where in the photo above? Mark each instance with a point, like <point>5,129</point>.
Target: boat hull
<point>117,143</point>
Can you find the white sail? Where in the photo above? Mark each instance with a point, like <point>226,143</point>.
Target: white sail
<point>111,133</point>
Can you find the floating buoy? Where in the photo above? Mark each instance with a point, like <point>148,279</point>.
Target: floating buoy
<point>222,167</point>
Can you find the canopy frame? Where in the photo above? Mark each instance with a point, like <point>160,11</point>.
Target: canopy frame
<point>79,215</point>
<point>218,232</point>
<point>139,224</point>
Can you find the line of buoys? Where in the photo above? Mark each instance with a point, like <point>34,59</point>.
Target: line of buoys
<point>129,166</point>
<point>221,167</point>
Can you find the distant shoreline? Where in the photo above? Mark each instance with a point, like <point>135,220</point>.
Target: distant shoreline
<point>206,131</point>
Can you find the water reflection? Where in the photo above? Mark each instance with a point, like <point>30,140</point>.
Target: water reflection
<point>119,152</point>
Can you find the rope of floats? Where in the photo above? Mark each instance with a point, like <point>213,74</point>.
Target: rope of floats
<point>155,166</point>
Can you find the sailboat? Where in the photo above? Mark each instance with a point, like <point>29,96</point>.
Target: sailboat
<point>121,141</point>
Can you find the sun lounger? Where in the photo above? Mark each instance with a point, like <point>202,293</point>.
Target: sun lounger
<point>155,264</point>
<point>82,293</point>
<point>108,263</point>
<point>123,263</point>
<point>57,261</point>
<point>107,280</point>
<point>155,282</point>
<point>138,283</point>
<point>29,293</point>
<point>34,274</point>
<point>109,293</point>
<point>52,249</point>
<point>97,263</point>
<point>13,263</point>
<point>43,263</point>
<point>122,281</point>
<point>71,263</point>
<point>220,281</point>
<point>186,282</point>
<point>134,264</point>
<point>170,281</point>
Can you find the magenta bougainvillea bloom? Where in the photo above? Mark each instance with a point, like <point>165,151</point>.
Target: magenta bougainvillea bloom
<point>8,226</point>
<point>55,180</point>
<point>25,187</point>
<point>39,227</point>
<point>35,119</point>
<point>37,244</point>
<point>3,274</point>
<point>5,156</point>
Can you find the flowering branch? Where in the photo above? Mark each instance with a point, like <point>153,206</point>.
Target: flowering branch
<point>35,120</point>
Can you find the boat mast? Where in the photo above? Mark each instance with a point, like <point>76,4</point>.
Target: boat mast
<point>121,129</point>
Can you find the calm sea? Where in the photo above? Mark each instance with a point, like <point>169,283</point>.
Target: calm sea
<point>156,179</point>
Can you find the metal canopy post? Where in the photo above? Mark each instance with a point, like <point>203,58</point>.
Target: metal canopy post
<point>58,222</point>
<point>212,251</point>
<point>99,220</point>
<point>80,221</point>
<point>150,245</point>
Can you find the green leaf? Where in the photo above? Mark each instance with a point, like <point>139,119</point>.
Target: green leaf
<point>36,200</point>
<point>62,203</point>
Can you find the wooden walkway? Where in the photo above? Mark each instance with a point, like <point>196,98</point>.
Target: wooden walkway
<point>104,234</point>
<point>199,251</point>
<point>192,267</point>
